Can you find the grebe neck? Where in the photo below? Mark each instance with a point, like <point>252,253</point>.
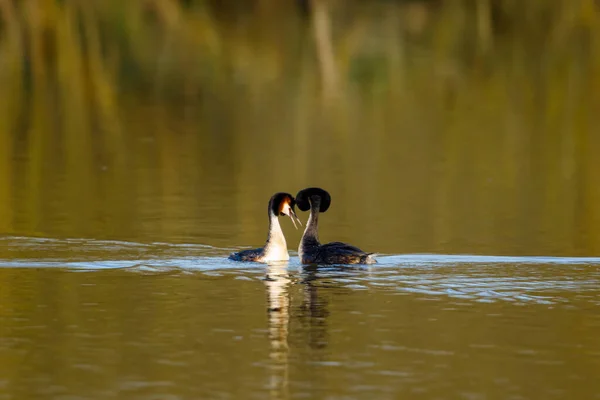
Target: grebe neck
<point>276,247</point>
<point>311,233</point>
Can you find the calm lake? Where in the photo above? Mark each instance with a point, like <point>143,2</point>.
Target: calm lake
<point>140,146</point>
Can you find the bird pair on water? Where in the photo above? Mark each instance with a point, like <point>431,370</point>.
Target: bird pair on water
<point>310,251</point>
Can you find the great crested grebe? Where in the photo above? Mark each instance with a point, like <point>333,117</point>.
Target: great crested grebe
<point>276,248</point>
<point>311,251</point>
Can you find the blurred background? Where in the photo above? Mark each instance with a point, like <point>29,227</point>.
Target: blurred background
<point>440,126</point>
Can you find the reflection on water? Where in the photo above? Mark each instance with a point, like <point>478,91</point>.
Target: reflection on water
<point>278,307</point>
<point>182,321</point>
<point>439,140</point>
<point>313,311</point>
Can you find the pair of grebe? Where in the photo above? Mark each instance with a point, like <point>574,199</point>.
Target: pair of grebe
<point>310,251</point>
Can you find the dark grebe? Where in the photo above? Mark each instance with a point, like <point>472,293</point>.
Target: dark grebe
<point>311,251</point>
<point>276,248</point>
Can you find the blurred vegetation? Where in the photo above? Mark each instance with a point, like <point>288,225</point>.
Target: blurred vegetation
<point>90,54</point>
<point>100,96</point>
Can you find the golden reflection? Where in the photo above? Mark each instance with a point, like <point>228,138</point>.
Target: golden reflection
<point>456,127</point>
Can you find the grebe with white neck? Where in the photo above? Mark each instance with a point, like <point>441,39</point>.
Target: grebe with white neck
<point>275,248</point>
<point>311,251</point>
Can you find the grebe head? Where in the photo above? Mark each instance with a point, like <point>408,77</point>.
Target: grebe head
<point>283,204</point>
<point>303,198</point>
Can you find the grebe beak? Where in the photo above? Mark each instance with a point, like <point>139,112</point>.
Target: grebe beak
<point>294,218</point>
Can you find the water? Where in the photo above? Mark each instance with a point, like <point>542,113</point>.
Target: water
<point>161,320</point>
<point>139,146</point>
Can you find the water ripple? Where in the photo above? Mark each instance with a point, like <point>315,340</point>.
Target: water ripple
<point>518,280</point>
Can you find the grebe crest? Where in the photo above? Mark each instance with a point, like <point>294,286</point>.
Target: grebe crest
<point>311,251</point>
<point>275,249</point>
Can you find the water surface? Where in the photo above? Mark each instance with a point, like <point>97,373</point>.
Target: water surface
<point>181,321</point>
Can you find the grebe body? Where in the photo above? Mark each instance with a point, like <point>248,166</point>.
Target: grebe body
<point>311,251</point>
<point>275,248</point>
